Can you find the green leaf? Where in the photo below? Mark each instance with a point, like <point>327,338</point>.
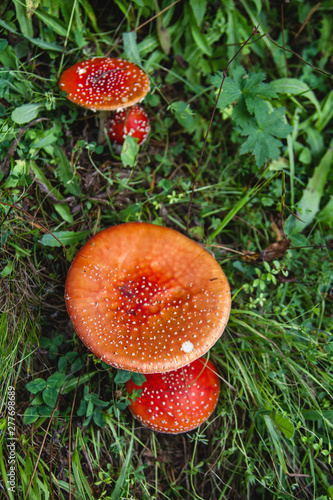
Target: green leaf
<point>35,41</point>
<point>125,470</point>
<point>262,141</point>
<point>296,87</point>
<point>47,411</point>
<point>18,174</point>
<point>248,90</point>
<point>82,408</point>
<point>91,14</point>
<point>185,116</point>
<point>64,212</point>
<point>62,365</point>
<point>65,172</point>
<point>199,38</point>
<point>284,424</point>
<point>275,438</point>
<point>138,378</point>
<point>230,91</point>
<point>309,204</point>
<point>50,396</point>
<point>53,23</point>
<point>122,376</point>
<point>3,44</point>
<point>26,113</point>
<point>56,380</point>
<point>163,35</point>
<point>98,417</point>
<point>67,238</point>
<point>131,47</point>
<point>36,385</point>
<point>129,151</point>
<point>24,22</point>
<point>62,208</point>
<point>326,214</point>
<point>198,8</point>
<point>30,415</point>
<point>314,415</point>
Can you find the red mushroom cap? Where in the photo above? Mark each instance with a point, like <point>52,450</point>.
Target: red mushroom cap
<point>177,401</point>
<point>104,83</point>
<point>132,121</point>
<point>146,298</point>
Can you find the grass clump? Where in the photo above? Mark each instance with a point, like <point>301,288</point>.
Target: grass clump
<point>259,198</point>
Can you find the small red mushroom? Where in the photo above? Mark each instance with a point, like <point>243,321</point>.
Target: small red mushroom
<point>105,83</point>
<point>177,401</point>
<point>133,121</point>
<point>146,298</point>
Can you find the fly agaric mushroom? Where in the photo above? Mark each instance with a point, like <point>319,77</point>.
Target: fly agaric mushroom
<point>133,121</point>
<point>104,83</point>
<point>146,298</point>
<point>177,401</point>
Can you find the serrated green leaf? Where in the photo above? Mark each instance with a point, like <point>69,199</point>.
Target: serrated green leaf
<point>26,113</point>
<point>248,89</point>
<point>262,135</point>
<point>36,385</point>
<point>67,238</point>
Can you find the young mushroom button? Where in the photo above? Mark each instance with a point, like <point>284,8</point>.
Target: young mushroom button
<point>105,83</point>
<point>146,298</point>
<point>177,401</point>
<point>133,121</point>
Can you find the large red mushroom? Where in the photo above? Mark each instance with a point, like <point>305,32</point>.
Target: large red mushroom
<point>105,83</point>
<point>177,401</point>
<point>146,298</point>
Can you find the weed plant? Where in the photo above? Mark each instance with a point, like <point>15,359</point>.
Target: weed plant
<point>246,171</point>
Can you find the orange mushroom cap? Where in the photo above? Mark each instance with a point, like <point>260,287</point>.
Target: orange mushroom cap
<point>146,298</point>
<point>133,121</point>
<point>104,83</point>
<point>177,401</point>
